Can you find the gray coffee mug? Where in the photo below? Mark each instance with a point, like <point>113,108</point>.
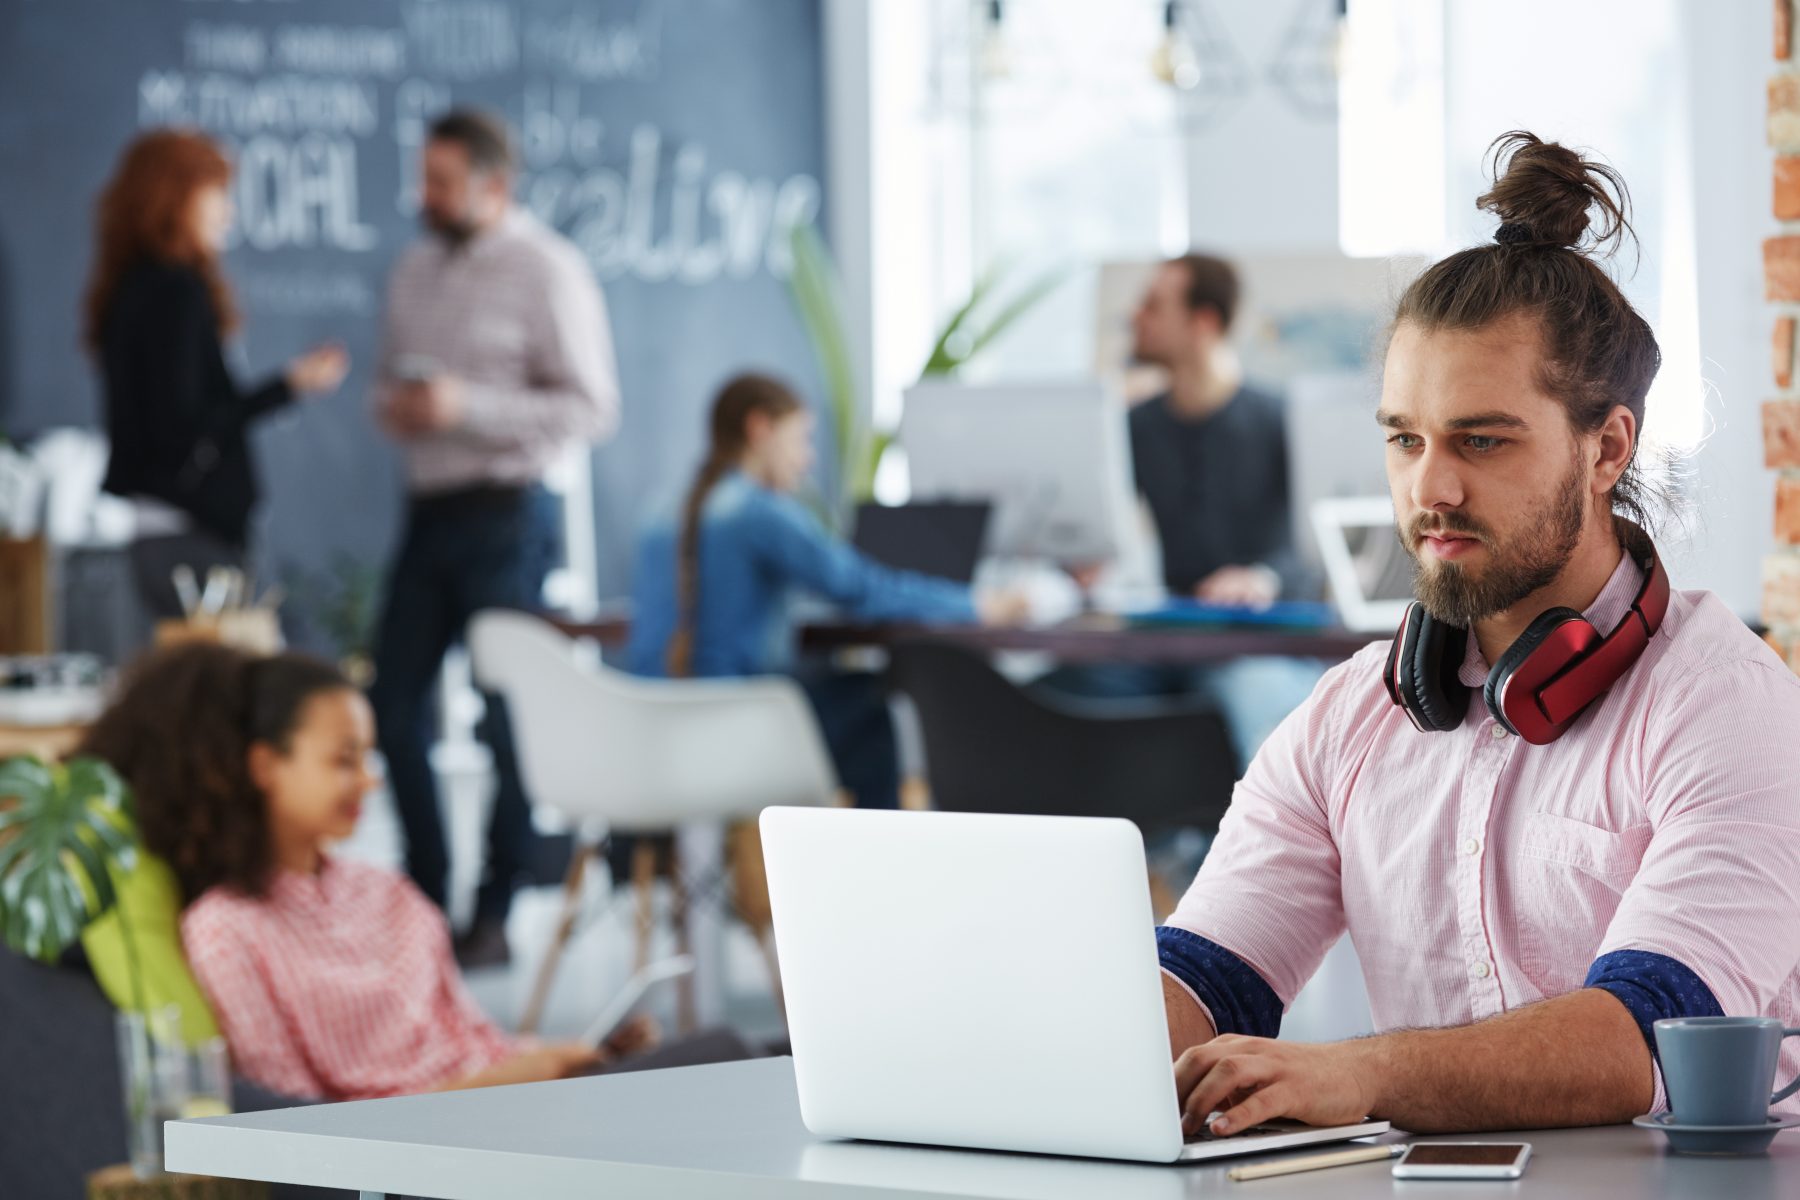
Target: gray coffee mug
<point>1718,1070</point>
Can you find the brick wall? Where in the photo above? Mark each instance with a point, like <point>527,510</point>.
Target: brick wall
<point>1781,286</point>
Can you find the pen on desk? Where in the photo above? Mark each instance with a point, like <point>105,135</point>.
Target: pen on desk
<point>1315,1162</point>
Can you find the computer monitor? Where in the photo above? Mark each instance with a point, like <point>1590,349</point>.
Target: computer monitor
<point>1052,458</point>
<point>942,539</point>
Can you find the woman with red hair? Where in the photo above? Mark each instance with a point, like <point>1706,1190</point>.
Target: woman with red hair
<point>158,309</point>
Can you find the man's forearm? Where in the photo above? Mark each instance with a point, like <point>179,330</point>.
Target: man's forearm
<point>1188,1024</point>
<point>1575,1060</point>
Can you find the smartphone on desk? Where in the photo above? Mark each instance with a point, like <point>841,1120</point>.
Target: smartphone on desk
<point>1463,1160</point>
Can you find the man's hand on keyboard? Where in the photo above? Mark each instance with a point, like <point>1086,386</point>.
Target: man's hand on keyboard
<point>1250,1080</point>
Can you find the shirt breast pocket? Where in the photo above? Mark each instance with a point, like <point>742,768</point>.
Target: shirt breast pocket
<point>1569,877</point>
<point>498,338</point>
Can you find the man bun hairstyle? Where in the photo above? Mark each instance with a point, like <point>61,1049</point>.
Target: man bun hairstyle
<point>1548,191</point>
<point>1597,351</point>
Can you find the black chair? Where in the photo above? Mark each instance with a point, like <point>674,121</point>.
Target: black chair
<point>991,746</point>
<point>61,1109</point>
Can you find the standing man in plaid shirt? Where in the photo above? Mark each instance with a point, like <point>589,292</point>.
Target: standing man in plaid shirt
<point>497,361</point>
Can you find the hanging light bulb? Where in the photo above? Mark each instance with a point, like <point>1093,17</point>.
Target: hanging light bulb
<point>996,55</point>
<point>1340,52</point>
<point>1174,61</point>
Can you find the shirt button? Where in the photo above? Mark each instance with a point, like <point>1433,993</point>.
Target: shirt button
<point>1482,970</point>
<point>1499,733</point>
<point>1471,846</point>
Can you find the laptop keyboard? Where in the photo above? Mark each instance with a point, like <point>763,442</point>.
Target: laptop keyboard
<point>1207,1135</point>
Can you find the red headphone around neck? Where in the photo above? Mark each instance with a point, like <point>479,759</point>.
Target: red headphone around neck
<point>1544,680</point>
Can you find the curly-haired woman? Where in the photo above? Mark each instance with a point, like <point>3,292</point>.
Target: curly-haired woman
<point>157,309</point>
<point>329,978</point>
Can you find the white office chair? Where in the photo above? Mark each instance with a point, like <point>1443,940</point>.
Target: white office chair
<point>617,754</point>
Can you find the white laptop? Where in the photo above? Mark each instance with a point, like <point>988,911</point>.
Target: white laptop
<point>963,979</point>
<point>1370,573</point>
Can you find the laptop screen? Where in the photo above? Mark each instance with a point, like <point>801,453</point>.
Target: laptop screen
<point>1384,571</point>
<point>941,539</point>
<point>1371,573</point>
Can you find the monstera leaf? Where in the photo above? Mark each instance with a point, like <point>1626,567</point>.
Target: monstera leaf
<point>63,829</point>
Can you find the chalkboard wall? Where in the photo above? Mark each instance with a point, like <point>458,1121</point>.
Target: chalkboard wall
<point>675,141</point>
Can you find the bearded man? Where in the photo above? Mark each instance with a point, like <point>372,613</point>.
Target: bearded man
<point>1564,804</point>
<point>497,361</point>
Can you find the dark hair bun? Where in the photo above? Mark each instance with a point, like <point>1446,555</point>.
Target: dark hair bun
<point>1544,192</point>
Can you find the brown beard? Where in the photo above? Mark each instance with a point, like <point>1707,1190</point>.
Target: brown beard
<point>1515,569</point>
<point>457,232</point>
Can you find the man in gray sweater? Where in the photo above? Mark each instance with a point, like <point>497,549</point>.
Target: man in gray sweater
<point>1210,458</point>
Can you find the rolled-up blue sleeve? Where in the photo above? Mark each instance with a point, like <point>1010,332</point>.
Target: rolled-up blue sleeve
<point>1652,987</point>
<point>1236,997</point>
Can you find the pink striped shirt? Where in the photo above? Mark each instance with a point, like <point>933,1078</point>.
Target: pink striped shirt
<point>516,315</point>
<point>339,985</point>
<point>1476,873</point>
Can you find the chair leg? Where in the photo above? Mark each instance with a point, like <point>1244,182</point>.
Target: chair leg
<point>1162,897</point>
<point>915,794</point>
<point>565,927</point>
<point>643,883</point>
<point>749,877</point>
<point>686,1020</point>
<point>750,897</point>
<point>765,937</point>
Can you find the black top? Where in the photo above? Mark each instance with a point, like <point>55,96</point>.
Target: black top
<point>1218,489</point>
<point>176,419</point>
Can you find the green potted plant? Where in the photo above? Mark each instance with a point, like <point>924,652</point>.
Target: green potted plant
<point>340,603</point>
<point>65,831</point>
<point>982,318</point>
<point>818,294</point>
<point>66,837</point>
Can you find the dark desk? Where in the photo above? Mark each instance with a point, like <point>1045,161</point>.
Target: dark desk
<point>1087,639</point>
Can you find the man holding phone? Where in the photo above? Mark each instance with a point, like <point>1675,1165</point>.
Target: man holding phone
<point>497,360</point>
<point>1565,804</point>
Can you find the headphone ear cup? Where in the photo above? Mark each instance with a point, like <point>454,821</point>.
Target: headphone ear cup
<point>1515,656</point>
<point>1426,658</point>
<point>1398,658</point>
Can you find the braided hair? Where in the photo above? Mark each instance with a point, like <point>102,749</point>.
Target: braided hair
<point>740,398</point>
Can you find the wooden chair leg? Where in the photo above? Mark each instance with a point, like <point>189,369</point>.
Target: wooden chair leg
<point>915,793</point>
<point>643,884</point>
<point>750,897</point>
<point>685,1017</point>
<point>1162,897</point>
<point>565,927</point>
<point>765,938</point>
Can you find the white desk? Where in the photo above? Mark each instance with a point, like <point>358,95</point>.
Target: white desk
<point>734,1131</point>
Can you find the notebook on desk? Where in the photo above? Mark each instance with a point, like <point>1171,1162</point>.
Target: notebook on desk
<point>925,1009</point>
